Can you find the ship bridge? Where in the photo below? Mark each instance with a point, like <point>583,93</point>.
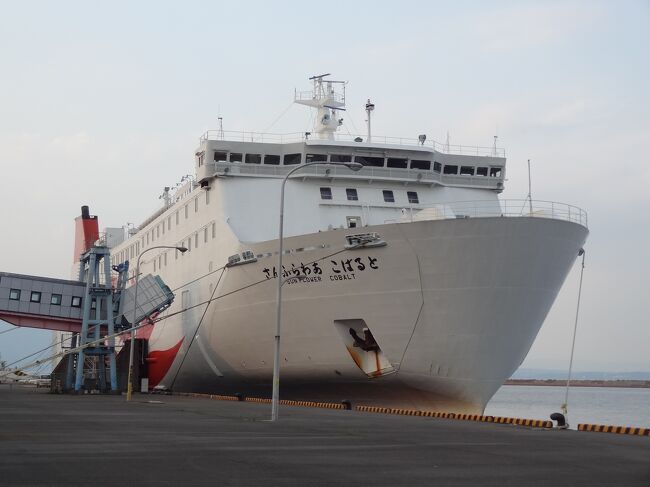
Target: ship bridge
<point>410,161</point>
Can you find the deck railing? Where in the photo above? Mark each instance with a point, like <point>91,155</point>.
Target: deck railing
<point>490,208</point>
<point>270,138</point>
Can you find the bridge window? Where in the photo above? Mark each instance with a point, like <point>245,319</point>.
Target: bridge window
<point>467,170</point>
<point>450,169</point>
<point>35,297</point>
<point>370,161</point>
<point>413,197</point>
<point>352,194</point>
<point>326,193</point>
<point>220,156</point>
<point>389,197</point>
<point>14,294</point>
<point>253,159</point>
<point>481,171</point>
<point>316,157</point>
<point>56,299</point>
<point>340,158</point>
<point>396,163</point>
<point>76,302</point>
<point>290,159</point>
<point>495,172</point>
<point>420,164</point>
<point>272,159</point>
<point>235,157</point>
<point>436,166</point>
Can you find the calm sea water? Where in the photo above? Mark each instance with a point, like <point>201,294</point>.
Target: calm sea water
<point>599,405</point>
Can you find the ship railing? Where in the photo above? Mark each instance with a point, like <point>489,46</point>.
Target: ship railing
<point>494,208</point>
<point>297,137</point>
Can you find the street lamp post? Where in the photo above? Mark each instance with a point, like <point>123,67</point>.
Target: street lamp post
<point>275,397</point>
<point>129,387</point>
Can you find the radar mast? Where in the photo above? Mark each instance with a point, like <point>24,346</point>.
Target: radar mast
<point>327,97</point>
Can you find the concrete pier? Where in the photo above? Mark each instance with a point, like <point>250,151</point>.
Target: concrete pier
<point>68,440</point>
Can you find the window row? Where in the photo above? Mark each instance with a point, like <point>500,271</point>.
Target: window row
<point>35,297</point>
<point>158,231</point>
<point>371,161</point>
<point>352,195</point>
<point>192,242</point>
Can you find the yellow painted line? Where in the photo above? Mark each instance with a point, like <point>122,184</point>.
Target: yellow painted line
<point>621,430</point>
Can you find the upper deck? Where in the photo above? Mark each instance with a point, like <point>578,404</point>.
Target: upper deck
<point>386,158</point>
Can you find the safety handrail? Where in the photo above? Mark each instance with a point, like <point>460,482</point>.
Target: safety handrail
<point>272,138</point>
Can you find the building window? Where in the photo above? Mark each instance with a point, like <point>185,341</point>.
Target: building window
<point>450,169</point>
<point>214,230</point>
<point>370,161</point>
<point>272,159</point>
<point>437,166</point>
<point>187,212</point>
<point>207,197</point>
<point>154,265</point>
<point>413,197</point>
<point>352,195</point>
<point>189,244</point>
<point>165,259</point>
<point>419,164</point>
<point>14,294</point>
<point>153,237</point>
<point>495,172</point>
<point>253,159</point>
<point>235,157</point>
<point>196,240</point>
<point>205,235</point>
<point>169,223</point>
<point>340,158</point>
<point>396,163</point>
<point>177,217</point>
<point>35,297</point>
<point>389,197</point>
<point>163,229</point>
<point>158,231</point>
<point>76,302</point>
<point>326,193</point>
<point>196,205</point>
<point>481,171</point>
<point>220,156</point>
<point>56,299</point>
<point>159,262</point>
<point>316,157</point>
<point>290,159</point>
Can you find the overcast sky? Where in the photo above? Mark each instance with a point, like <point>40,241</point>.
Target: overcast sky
<point>103,104</point>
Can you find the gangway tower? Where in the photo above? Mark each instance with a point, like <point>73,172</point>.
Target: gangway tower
<point>97,318</point>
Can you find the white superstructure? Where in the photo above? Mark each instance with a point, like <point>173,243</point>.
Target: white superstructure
<point>414,284</point>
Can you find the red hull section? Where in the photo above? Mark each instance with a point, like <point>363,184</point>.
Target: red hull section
<point>159,363</point>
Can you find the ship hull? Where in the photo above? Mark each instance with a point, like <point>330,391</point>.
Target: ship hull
<point>453,306</point>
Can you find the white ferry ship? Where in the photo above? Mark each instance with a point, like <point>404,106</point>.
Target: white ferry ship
<point>409,282</point>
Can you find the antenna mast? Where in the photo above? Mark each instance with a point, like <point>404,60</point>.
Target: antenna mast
<point>327,100</point>
<point>369,108</point>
